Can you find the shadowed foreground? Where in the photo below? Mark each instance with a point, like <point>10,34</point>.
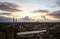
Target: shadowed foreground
<point>11,30</point>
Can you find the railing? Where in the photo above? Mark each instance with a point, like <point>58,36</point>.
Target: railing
<point>30,32</point>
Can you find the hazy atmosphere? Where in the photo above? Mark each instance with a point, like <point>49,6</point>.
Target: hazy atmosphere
<point>29,10</point>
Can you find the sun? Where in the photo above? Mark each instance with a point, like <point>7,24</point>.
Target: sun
<point>34,16</point>
<point>25,13</point>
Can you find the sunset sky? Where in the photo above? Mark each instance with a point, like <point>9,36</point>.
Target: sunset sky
<point>32,9</point>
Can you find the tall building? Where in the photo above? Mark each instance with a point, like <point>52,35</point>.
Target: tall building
<point>26,18</point>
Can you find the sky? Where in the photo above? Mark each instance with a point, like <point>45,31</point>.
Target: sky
<point>32,9</point>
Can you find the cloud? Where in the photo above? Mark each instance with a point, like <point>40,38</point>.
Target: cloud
<point>55,14</point>
<point>46,15</point>
<point>58,3</point>
<point>5,6</point>
<point>38,11</point>
<point>5,19</point>
<point>5,13</point>
<point>19,1</point>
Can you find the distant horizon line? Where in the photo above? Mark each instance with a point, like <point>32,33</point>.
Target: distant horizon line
<point>33,22</point>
